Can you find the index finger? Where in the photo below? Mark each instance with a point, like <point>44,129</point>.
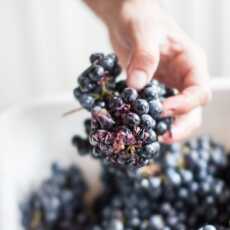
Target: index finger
<point>189,99</point>
<point>191,67</point>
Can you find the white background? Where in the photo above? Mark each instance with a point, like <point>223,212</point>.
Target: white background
<point>44,44</point>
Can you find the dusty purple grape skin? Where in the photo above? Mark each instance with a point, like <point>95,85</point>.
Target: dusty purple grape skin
<point>132,117</point>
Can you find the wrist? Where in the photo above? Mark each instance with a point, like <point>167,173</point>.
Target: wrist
<point>111,10</point>
<point>103,8</point>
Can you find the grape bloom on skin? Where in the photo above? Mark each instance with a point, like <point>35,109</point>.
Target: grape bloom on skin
<point>125,123</point>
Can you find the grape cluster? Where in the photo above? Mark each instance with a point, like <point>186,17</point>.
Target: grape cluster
<point>58,204</point>
<point>146,185</point>
<point>98,79</point>
<point>187,187</point>
<point>184,190</point>
<point>125,123</point>
<point>82,143</point>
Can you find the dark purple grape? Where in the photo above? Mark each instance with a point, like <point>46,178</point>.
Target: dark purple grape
<point>96,153</point>
<point>120,86</point>
<point>109,62</point>
<point>82,144</point>
<point>155,108</point>
<point>132,119</point>
<point>96,57</point>
<point>150,136</point>
<point>147,121</point>
<point>161,128</point>
<point>85,84</point>
<point>77,93</point>
<point>115,103</point>
<point>141,106</point>
<point>103,118</point>
<point>97,73</point>
<point>129,95</point>
<point>87,101</point>
<point>152,149</point>
<point>116,71</point>
<point>151,93</point>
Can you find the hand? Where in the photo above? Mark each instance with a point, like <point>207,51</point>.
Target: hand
<point>150,44</point>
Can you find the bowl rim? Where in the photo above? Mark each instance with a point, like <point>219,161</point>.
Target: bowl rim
<point>54,99</point>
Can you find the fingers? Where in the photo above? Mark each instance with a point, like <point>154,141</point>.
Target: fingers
<point>143,65</point>
<point>190,98</point>
<point>193,82</point>
<point>145,40</point>
<point>184,127</point>
<point>121,51</point>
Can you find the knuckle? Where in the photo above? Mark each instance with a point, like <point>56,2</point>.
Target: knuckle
<point>128,12</point>
<point>146,58</point>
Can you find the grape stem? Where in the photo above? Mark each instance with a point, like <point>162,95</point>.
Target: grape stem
<point>76,110</point>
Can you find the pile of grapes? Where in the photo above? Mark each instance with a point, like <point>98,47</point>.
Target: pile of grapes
<point>145,185</point>
<point>58,203</point>
<point>188,187</point>
<point>125,123</point>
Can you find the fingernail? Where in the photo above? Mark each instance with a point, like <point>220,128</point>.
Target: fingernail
<point>138,79</point>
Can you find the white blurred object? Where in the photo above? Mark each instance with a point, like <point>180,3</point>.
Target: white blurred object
<point>33,135</point>
<point>206,22</point>
<point>44,44</point>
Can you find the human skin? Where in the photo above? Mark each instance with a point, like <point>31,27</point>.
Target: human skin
<point>150,44</point>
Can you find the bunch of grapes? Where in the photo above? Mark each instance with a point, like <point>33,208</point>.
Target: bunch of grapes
<point>82,143</point>
<point>58,203</point>
<point>97,80</point>
<point>125,123</point>
<point>146,185</point>
<point>185,189</point>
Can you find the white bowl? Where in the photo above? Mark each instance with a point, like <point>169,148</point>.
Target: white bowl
<point>32,136</point>
<point>35,134</point>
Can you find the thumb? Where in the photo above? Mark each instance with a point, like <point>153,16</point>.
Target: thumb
<point>142,66</point>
